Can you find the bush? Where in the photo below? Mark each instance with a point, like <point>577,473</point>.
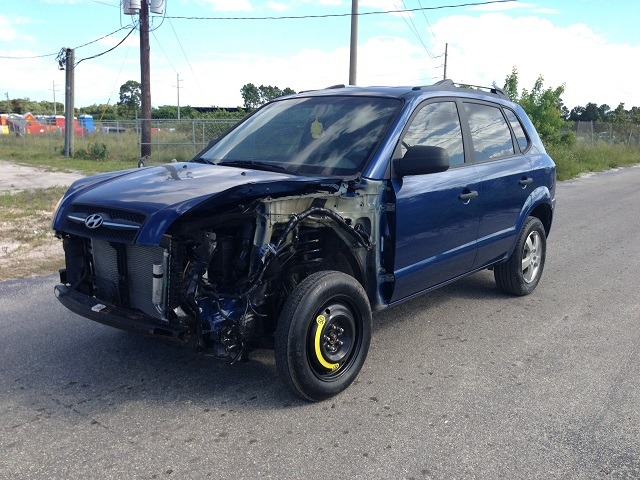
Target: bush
<point>93,151</point>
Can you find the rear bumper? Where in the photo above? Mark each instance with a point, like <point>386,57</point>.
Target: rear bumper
<point>123,319</point>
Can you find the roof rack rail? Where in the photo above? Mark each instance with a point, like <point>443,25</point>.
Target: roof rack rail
<point>446,83</point>
<point>495,90</point>
<point>450,84</point>
<point>340,85</point>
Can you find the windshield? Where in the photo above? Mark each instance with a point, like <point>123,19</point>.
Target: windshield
<point>308,136</point>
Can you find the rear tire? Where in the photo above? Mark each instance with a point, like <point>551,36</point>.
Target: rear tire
<point>520,274</point>
<point>323,335</point>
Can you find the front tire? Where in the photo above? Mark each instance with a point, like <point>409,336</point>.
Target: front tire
<point>520,274</point>
<point>323,335</point>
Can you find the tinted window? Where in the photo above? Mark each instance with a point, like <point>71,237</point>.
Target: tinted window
<point>437,125</point>
<point>325,135</point>
<point>490,133</point>
<point>518,131</point>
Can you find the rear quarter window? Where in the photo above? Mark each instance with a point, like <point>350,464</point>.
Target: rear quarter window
<point>518,131</point>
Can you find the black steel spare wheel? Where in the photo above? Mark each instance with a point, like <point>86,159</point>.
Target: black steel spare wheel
<point>323,335</point>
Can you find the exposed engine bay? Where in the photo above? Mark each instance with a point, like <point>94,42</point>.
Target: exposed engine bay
<point>219,278</point>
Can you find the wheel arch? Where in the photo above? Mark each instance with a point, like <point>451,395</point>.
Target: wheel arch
<point>540,206</point>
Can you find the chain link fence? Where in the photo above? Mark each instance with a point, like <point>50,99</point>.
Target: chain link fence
<point>171,139</point>
<point>592,132</point>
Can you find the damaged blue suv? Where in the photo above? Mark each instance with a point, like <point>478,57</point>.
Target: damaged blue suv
<point>317,209</point>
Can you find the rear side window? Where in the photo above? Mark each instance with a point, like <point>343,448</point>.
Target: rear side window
<point>437,125</point>
<point>490,133</point>
<point>518,131</point>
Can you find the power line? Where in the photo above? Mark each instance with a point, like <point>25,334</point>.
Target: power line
<point>428,24</point>
<point>104,36</point>
<point>107,51</point>
<point>195,77</point>
<point>335,15</point>
<point>56,53</point>
<point>27,58</point>
<point>180,43</point>
<point>165,53</point>
<point>414,29</point>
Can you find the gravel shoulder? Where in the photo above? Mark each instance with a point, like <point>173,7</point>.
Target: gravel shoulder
<point>23,177</point>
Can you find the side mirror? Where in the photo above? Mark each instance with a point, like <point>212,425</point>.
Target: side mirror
<point>422,159</point>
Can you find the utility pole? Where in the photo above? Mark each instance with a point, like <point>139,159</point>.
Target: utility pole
<point>446,53</point>
<point>145,83</point>
<point>353,56</point>
<point>55,112</point>
<point>178,87</point>
<point>69,136</point>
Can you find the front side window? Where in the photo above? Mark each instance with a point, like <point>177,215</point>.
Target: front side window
<point>490,133</point>
<point>437,125</point>
<point>325,135</point>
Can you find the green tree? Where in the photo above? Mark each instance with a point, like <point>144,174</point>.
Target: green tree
<point>251,96</point>
<point>511,85</point>
<point>620,115</point>
<point>591,113</point>
<point>256,96</point>
<point>130,96</point>
<point>543,105</point>
<point>603,112</point>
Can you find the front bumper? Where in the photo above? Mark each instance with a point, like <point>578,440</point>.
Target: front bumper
<point>123,319</point>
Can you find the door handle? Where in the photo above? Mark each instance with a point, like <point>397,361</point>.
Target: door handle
<point>525,181</point>
<point>466,197</point>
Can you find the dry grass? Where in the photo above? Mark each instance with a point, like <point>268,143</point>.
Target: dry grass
<point>27,245</point>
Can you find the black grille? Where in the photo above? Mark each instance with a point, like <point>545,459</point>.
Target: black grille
<point>81,211</point>
<point>114,214</point>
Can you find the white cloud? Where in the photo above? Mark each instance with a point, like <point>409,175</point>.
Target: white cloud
<point>484,49</point>
<point>381,61</point>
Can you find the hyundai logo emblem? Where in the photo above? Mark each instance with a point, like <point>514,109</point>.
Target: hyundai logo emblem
<point>93,221</point>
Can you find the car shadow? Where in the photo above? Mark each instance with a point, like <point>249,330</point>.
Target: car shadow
<point>91,368</point>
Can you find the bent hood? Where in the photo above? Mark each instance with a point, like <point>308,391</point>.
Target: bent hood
<point>162,194</point>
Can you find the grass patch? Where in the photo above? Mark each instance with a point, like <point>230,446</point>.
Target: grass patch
<point>30,200</point>
<point>95,153</point>
<point>572,161</point>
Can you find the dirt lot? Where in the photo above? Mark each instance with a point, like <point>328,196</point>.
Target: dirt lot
<point>27,245</point>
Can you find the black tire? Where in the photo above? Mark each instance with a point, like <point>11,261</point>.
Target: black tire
<point>520,274</point>
<point>323,335</point>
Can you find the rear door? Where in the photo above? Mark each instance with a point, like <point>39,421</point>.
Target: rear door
<point>437,214</point>
<point>497,139</point>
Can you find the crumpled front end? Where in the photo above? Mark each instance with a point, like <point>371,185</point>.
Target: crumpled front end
<point>219,277</point>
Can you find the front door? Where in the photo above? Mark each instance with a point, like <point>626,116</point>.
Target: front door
<point>437,214</point>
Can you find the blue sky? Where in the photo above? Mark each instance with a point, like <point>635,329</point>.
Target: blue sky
<point>592,46</point>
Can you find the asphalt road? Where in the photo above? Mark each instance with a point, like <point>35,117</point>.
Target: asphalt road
<point>462,383</point>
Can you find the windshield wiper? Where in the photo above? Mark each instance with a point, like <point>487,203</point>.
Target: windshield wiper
<point>202,160</point>
<point>254,164</point>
